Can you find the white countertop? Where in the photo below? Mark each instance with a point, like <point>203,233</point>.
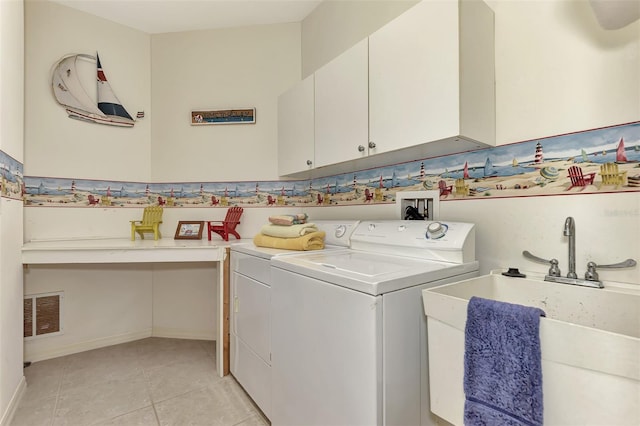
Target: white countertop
<point>122,250</point>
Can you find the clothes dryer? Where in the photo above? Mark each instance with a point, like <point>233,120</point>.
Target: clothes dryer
<point>349,336</point>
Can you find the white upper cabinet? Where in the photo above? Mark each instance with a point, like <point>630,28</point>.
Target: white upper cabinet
<point>341,107</point>
<point>296,128</point>
<point>421,86</point>
<point>431,79</point>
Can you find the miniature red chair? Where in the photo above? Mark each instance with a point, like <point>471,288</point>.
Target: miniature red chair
<point>161,201</point>
<point>319,199</point>
<point>578,179</point>
<point>214,201</point>
<point>92,200</point>
<point>227,226</point>
<point>444,189</point>
<point>270,200</point>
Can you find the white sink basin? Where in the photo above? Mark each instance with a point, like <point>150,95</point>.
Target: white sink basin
<point>590,341</point>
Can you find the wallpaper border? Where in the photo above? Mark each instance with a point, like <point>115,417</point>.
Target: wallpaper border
<point>602,160</point>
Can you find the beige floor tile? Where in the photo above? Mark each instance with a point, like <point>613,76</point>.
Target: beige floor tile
<point>255,420</point>
<point>92,404</point>
<point>180,377</point>
<point>35,413</point>
<point>223,403</point>
<point>155,352</point>
<point>100,365</point>
<point>43,378</point>
<point>143,383</point>
<point>143,417</point>
<point>209,346</point>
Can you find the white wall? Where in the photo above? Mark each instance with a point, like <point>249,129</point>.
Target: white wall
<point>335,26</point>
<point>558,71</point>
<point>190,311</point>
<point>57,146</point>
<point>607,231</point>
<point>11,142</point>
<point>220,69</point>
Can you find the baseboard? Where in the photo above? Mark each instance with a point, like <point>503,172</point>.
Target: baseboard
<point>40,355</point>
<point>8,415</point>
<point>182,334</point>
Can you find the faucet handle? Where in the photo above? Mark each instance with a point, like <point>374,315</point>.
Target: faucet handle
<point>554,271</point>
<point>629,263</point>
<point>592,275</point>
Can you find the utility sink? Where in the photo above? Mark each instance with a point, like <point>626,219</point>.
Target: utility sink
<point>590,342</point>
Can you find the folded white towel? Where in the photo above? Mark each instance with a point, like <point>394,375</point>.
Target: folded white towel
<point>292,231</point>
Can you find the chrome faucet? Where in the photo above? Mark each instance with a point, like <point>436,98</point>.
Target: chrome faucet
<point>591,278</point>
<point>570,231</point>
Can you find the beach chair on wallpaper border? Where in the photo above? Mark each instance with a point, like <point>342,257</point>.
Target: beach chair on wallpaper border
<point>611,176</point>
<point>445,189</point>
<point>578,179</point>
<point>150,223</point>
<point>226,226</point>
<point>462,189</point>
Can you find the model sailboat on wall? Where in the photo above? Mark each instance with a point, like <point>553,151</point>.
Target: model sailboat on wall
<point>69,92</point>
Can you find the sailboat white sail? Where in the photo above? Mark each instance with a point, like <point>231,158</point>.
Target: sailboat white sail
<point>69,92</point>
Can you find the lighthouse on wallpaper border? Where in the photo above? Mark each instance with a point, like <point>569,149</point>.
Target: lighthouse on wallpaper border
<point>539,157</point>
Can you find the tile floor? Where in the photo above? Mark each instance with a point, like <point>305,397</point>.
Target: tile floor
<point>152,381</point>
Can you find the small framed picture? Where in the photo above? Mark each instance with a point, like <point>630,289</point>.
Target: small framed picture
<point>223,116</point>
<point>189,230</point>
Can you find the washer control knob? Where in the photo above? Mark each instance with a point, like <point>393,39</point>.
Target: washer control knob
<point>402,228</point>
<point>340,231</point>
<point>372,226</point>
<point>436,230</point>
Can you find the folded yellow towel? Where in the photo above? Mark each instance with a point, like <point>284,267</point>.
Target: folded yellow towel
<point>292,231</point>
<point>312,241</point>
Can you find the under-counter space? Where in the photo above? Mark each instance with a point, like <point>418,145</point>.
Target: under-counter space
<point>99,251</point>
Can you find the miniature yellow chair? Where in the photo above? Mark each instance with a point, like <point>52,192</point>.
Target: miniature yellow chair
<point>151,220</point>
<point>611,175</point>
<point>461,188</point>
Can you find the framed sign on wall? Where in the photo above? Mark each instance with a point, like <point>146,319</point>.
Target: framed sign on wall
<point>224,116</point>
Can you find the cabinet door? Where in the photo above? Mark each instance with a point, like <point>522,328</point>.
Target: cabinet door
<point>341,114</point>
<point>296,128</point>
<point>413,77</point>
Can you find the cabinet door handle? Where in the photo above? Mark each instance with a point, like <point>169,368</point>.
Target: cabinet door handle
<point>309,162</point>
<point>372,145</point>
<point>235,304</point>
<point>361,148</point>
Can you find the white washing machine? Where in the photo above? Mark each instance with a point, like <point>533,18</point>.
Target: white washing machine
<point>349,336</point>
<point>250,329</point>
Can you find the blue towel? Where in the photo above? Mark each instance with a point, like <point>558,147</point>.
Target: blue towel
<point>502,364</point>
